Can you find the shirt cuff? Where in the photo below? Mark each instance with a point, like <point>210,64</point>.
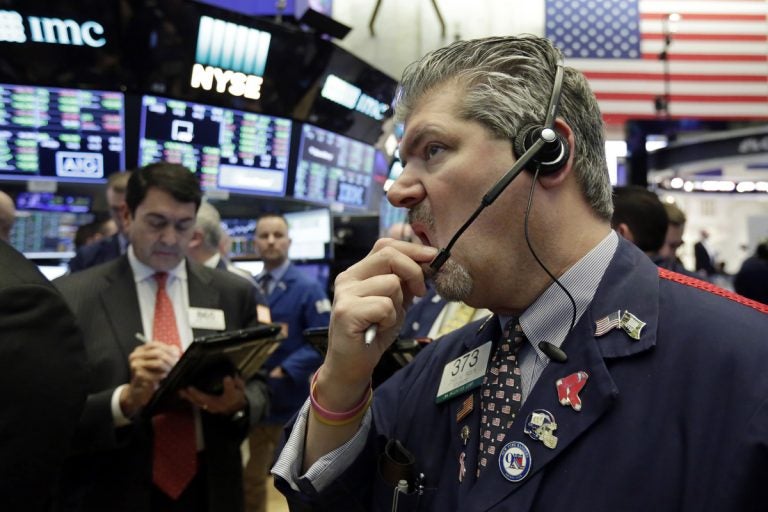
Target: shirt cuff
<point>117,413</point>
<point>327,468</point>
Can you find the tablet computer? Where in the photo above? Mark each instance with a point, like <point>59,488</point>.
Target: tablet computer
<point>210,358</point>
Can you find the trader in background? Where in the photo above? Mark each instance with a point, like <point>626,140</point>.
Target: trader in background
<point>44,381</point>
<point>204,249</point>
<point>7,216</point>
<point>114,246</point>
<point>298,303</point>
<point>181,460</point>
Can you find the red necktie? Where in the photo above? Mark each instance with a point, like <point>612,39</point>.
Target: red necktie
<point>175,448</point>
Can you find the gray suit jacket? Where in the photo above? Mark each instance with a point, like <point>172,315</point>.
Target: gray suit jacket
<point>112,470</point>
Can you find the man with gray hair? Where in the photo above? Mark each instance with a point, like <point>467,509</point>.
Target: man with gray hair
<point>7,216</point>
<point>204,249</point>
<point>602,382</point>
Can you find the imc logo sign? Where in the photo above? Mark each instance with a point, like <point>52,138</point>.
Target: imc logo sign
<point>230,58</point>
<point>15,28</point>
<point>78,164</point>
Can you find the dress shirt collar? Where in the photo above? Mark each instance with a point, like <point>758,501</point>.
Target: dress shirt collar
<point>213,260</point>
<point>277,273</point>
<point>549,317</point>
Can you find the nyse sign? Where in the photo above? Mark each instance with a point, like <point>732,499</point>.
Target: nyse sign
<point>14,27</point>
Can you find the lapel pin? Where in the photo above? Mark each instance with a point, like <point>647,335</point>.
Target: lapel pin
<point>608,323</point>
<point>462,467</point>
<point>515,461</point>
<point>464,434</point>
<point>568,389</point>
<point>540,426</point>
<point>465,409</point>
<point>632,325</point>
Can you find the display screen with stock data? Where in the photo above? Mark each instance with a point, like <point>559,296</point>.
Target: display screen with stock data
<point>61,134</point>
<point>229,149</point>
<point>333,168</point>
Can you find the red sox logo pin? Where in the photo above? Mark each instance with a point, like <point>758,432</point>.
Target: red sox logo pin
<point>568,389</point>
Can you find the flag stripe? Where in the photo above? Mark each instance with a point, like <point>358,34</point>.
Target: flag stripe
<point>710,37</point>
<point>704,16</point>
<point>742,98</point>
<point>594,76</point>
<point>717,59</point>
<point>708,57</point>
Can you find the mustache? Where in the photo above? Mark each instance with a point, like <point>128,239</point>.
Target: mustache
<point>421,214</point>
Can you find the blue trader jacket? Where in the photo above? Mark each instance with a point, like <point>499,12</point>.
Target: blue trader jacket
<point>675,421</point>
<point>301,303</point>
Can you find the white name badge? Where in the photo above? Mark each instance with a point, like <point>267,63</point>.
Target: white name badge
<point>464,373</point>
<point>207,318</point>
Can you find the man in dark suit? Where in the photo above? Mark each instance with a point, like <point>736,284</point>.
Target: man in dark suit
<point>602,382</point>
<point>110,248</point>
<point>296,302</point>
<point>43,380</point>
<point>703,255</point>
<point>122,463</point>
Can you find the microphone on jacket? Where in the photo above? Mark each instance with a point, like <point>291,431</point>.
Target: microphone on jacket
<point>553,352</point>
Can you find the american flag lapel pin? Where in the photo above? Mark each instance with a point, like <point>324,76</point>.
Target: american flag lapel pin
<point>608,323</point>
<point>465,409</point>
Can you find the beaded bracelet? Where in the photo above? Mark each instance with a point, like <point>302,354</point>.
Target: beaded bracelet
<point>338,419</point>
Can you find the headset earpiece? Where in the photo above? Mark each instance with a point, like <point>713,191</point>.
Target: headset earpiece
<point>550,158</point>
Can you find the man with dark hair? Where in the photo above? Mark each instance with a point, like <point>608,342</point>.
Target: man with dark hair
<point>752,278</point>
<point>181,460</point>
<point>675,230</point>
<point>602,382</point>
<point>298,303</point>
<point>113,246</point>
<point>639,216</point>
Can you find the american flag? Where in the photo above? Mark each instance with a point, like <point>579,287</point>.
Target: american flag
<point>717,56</point>
<point>607,323</point>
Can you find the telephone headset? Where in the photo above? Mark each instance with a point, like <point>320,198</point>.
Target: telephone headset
<point>543,152</point>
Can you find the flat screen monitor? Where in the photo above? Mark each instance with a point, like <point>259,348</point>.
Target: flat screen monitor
<point>45,234</point>
<point>229,149</point>
<point>333,169</point>
<point>240,233</point>
<point>60,134</point>
<point>311,234</point>
<point>49,202</point>
<point>354,97</point>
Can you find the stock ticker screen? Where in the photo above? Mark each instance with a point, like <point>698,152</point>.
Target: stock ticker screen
<point>333,168</point>
<point>61,134</point>
<point>229,149</point>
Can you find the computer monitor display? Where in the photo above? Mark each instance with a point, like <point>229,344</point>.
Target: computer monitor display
<point>333,168</point>
<point>311,234</point>
<point>229,149</point>
<point>48,202</point>
<point>47,234</point>
<point>60,134</point>
<point>241,232</point>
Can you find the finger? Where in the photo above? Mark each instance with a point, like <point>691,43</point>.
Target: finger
<point>392,257</point>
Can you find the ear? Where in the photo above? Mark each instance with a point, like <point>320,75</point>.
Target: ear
<point>557,178</point>
<point>624,231</point>
<point>125,215</point>
<point>196,240</point>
